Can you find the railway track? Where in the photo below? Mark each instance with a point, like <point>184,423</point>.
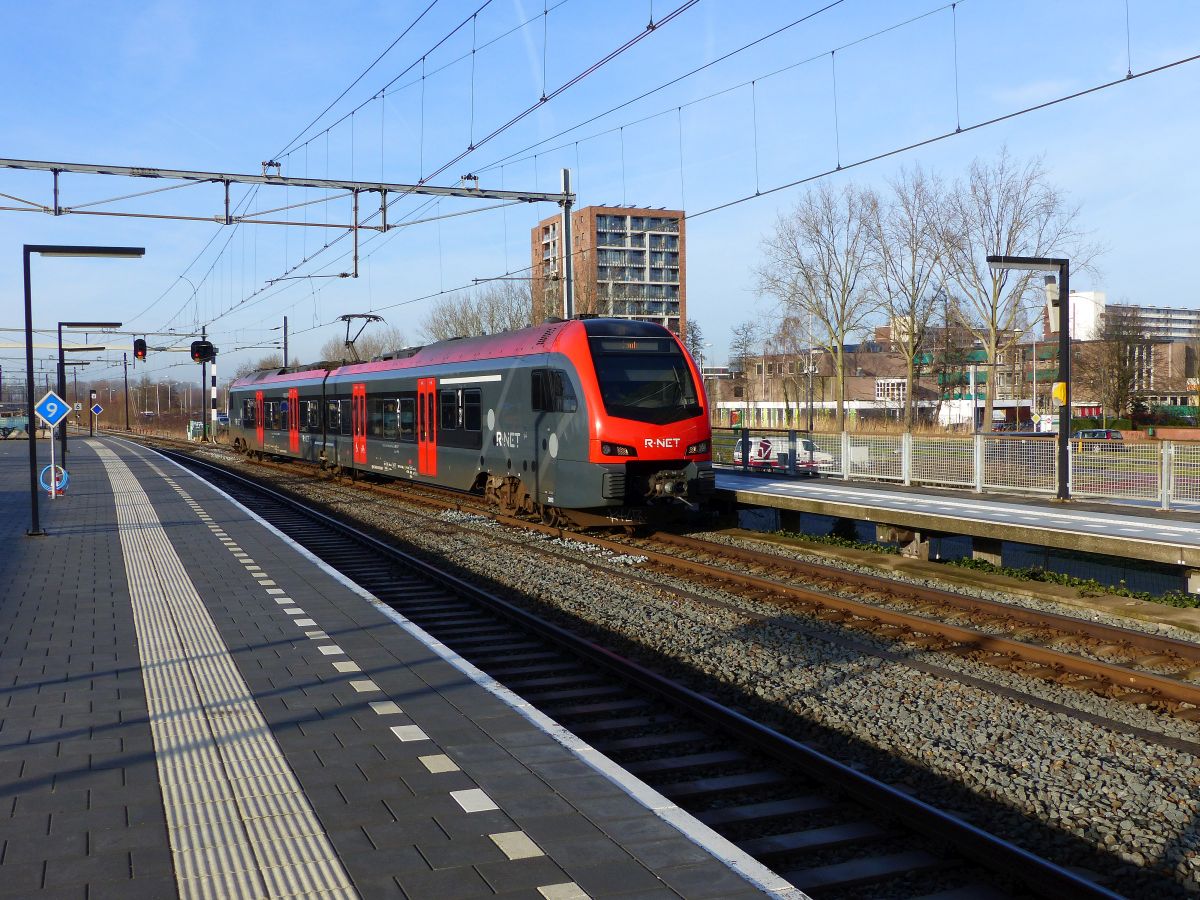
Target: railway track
<point>1128,665</point>
<point>827,828</point>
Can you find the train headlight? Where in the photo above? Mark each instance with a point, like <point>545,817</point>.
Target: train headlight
<point>697,448</point>
<point>617,450</point>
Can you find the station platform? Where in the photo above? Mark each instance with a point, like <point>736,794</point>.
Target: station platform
<point>1128,532</point>
<point>193,706</point>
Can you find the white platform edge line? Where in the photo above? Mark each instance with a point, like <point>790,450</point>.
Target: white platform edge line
<point>694,830</point>
<point>989,502</point>
<point>952,518</point>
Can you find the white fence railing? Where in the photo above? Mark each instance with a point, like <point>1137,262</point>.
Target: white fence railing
<point>1164,473</point>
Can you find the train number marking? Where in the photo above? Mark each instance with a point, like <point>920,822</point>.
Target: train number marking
<point>511,439</point>
<point>662,443</point>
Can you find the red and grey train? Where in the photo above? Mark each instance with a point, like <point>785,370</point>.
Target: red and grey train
<point>592,420</point>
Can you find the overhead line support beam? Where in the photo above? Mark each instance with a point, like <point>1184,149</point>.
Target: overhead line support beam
<point>282,181</point>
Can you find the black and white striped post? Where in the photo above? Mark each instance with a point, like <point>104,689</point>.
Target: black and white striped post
<point>213,397</point>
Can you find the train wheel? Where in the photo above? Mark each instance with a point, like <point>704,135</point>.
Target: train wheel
<point>509,494</point>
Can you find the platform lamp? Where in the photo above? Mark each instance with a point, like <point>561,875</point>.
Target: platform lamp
<point>62,367</point>
<point>50,250</point>
<point>1063,268</point>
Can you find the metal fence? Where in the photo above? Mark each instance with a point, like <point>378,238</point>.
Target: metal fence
<point>1023,464</point>
<point>1183,473</point>
<point>1164,473</point>
<point>1114,469</point>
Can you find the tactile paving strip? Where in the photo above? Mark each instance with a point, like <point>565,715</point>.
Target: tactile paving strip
<point>237,817</point>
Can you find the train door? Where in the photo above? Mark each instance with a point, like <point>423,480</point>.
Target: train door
<point>427,426</point>
<point>294,420</point>
<point>260,424</point>
<point>358,412</point>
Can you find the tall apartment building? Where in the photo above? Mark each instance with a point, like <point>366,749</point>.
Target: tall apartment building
<point>628,262</point>
<point>1170,323</point>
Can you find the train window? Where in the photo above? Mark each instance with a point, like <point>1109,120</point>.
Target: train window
<point>382,423</point>
<point>334,414</point>
<point>450,414</point>
<point>552,391</point>
<point>645,380</point>
<point>471,404</point>
<point>347,417</point>
<point>248,410</point>
<point>314,415</point>
<point>408,419</point>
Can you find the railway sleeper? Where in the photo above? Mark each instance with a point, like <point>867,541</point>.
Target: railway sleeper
<point>606,706</point>
<point>577,694</point>
<point>627,723</point>
<point>674,764</point>
<point>519,668</point>
<point>722,784</point>
<point>499,647</point>
<point>766,811</point>
<point>580,677</point>
<point>815,839</point>
<point>866,870</point>
<point>504,659</point>
<point>652,741</point>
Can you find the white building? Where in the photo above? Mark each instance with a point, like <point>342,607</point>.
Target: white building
<point>1087,312</point>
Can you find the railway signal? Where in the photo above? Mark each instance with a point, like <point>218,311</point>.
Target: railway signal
<point>139,348</point>
<point>203,351</point>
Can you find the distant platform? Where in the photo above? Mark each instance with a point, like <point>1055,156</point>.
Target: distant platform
<point>1171,538</point>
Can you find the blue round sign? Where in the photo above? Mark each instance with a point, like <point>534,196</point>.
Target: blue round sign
<point>61,478</point>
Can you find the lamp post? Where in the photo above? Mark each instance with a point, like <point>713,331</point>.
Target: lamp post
<point>62,368</point>
<point>1063,268</point>
<point>35,527</point>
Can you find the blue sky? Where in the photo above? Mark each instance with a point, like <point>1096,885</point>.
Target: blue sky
<point>222,86</point>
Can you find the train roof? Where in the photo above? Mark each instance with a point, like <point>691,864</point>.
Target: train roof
<point>541,338</point>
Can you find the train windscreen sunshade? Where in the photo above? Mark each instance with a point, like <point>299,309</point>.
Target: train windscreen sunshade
<point>644,384</point>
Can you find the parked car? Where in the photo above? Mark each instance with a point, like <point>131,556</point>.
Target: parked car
<point>1098,439</point>
<point>770,454</point>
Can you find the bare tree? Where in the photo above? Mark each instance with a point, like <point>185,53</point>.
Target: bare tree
<point>790,341</point>
<point>743,346</point>
<point>499,306</point>
<point>1109,365</point>
<point>907,255</point>
<point>1009,209</point>
<point>814,265</point>
<point>693,339</point>
<point>270,361</point>
<point>373,342</point>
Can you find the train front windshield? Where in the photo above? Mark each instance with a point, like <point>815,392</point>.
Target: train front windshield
<point>644,379</point>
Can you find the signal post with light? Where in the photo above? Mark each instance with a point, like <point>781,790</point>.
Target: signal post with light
<point>204,352</point>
